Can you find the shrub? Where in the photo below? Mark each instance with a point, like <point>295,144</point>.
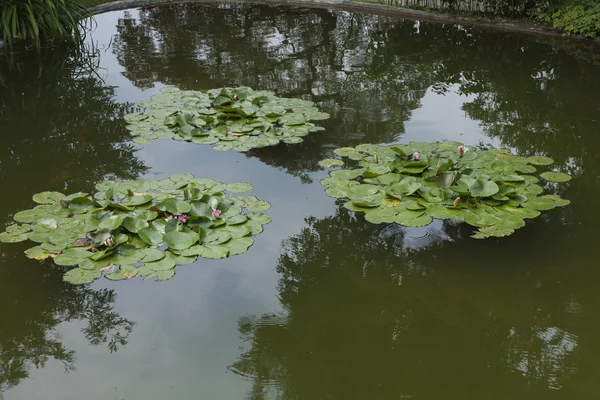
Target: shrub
<point>42,22</point>
<point>575,17</point>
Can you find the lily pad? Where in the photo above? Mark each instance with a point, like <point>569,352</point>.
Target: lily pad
<point>124,272</point>
<point>490,189</point>
<point>330,162</point>
<point>230,118</point>
<point>559,177</point>
<point>142,227</point>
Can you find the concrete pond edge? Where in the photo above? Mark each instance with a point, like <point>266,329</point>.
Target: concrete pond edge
<point>371,8</point>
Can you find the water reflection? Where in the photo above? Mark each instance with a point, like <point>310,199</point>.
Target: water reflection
<point>57,114</point>
<point>372,313</point>
<point>61,130</point>
<point>36,301</point>
<point>370,73</point>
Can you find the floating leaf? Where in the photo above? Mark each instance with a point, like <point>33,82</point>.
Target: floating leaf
<point>260,205</point>
<point>212,251</point>
<point>48,197</point>
<point>124,272</point>
<point>80,276</point>
<point>558,177</point>
<point>180,240</point>
<point>489,189</point>
<point>239,187</point>
<point>226,118</point>
<point>131,222</point>
<point>330,162</point>
<point>539,160</point>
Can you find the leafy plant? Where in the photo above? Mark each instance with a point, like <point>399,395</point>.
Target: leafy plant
<point>42,22</point>
<point>145,227</point>
<point>580,17</point>
<point>412,184</point>
<point>238,119</point>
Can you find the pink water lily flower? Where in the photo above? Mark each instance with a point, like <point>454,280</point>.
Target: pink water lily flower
<point>461,149</point>
<point>216,213</point>
<point>183,218</point>
<point>416,155</point>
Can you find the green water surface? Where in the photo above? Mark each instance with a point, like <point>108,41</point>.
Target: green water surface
<point>325,305</point>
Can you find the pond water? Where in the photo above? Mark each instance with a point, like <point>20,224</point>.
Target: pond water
<point>325,305</point>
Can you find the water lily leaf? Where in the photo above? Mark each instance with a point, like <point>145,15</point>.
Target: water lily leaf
<point>237,231</point>
<point>168,262</point>
<point>185,260</point>
<point>559,177</point>
<point>481,219</point>
<point>405,187</point>
<point>483,188</point>
<point>112,222</point>
<point>213,251</point>
<point>381,215</point>
<point>151,236</point>
<point>216,237</point>
<point>414,222</point>
<point>260,205</point>
<point>236,219</point>
<point>367,201</point>
<point>239,245</point>
<point>494,231</point>
<point>195,250</point>
<point>540,160</point>
<point>261,218</point>
<point>330,162</point>
<point>80,276</point>
<point>137,200</point>
<point>133,225</point>
<point>48,197</point>
<point>81,205</point>
<point>558,202</point>
<point>540,204</point>
<point>28,215</point>
<point>239,187</point>
<point>72,256</point>
<point>336,193</point>
<point>177,207</point>
<point>124,272</point>
<point>150,255</point>
<point>180,240</point>
<point>533,189</point>
<point>13,237</point>
<point>376,170</point>
<point>347,174</point>
<point>161,275</point>
<point>37,253</point>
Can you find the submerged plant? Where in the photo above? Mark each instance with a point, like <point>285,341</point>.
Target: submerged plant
<point>412,184</point>
<point>229,118</point>
<point>141,227</point>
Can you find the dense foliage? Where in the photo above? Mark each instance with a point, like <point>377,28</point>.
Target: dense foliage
<point>575,17</point>
<point>232,118</point>
<point>42,22</point>
<point>145,227</point>
<point>572,16</point>
<point>412,184</point>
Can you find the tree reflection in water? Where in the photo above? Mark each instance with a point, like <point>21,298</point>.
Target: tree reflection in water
<point>370,73</point>
<point>61,130</point>
<point>377,311</point>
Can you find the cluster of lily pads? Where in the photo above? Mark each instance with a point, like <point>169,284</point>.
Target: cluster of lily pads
<point>229,118</point>
<point>492,190</point>
<point>142,227</point>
